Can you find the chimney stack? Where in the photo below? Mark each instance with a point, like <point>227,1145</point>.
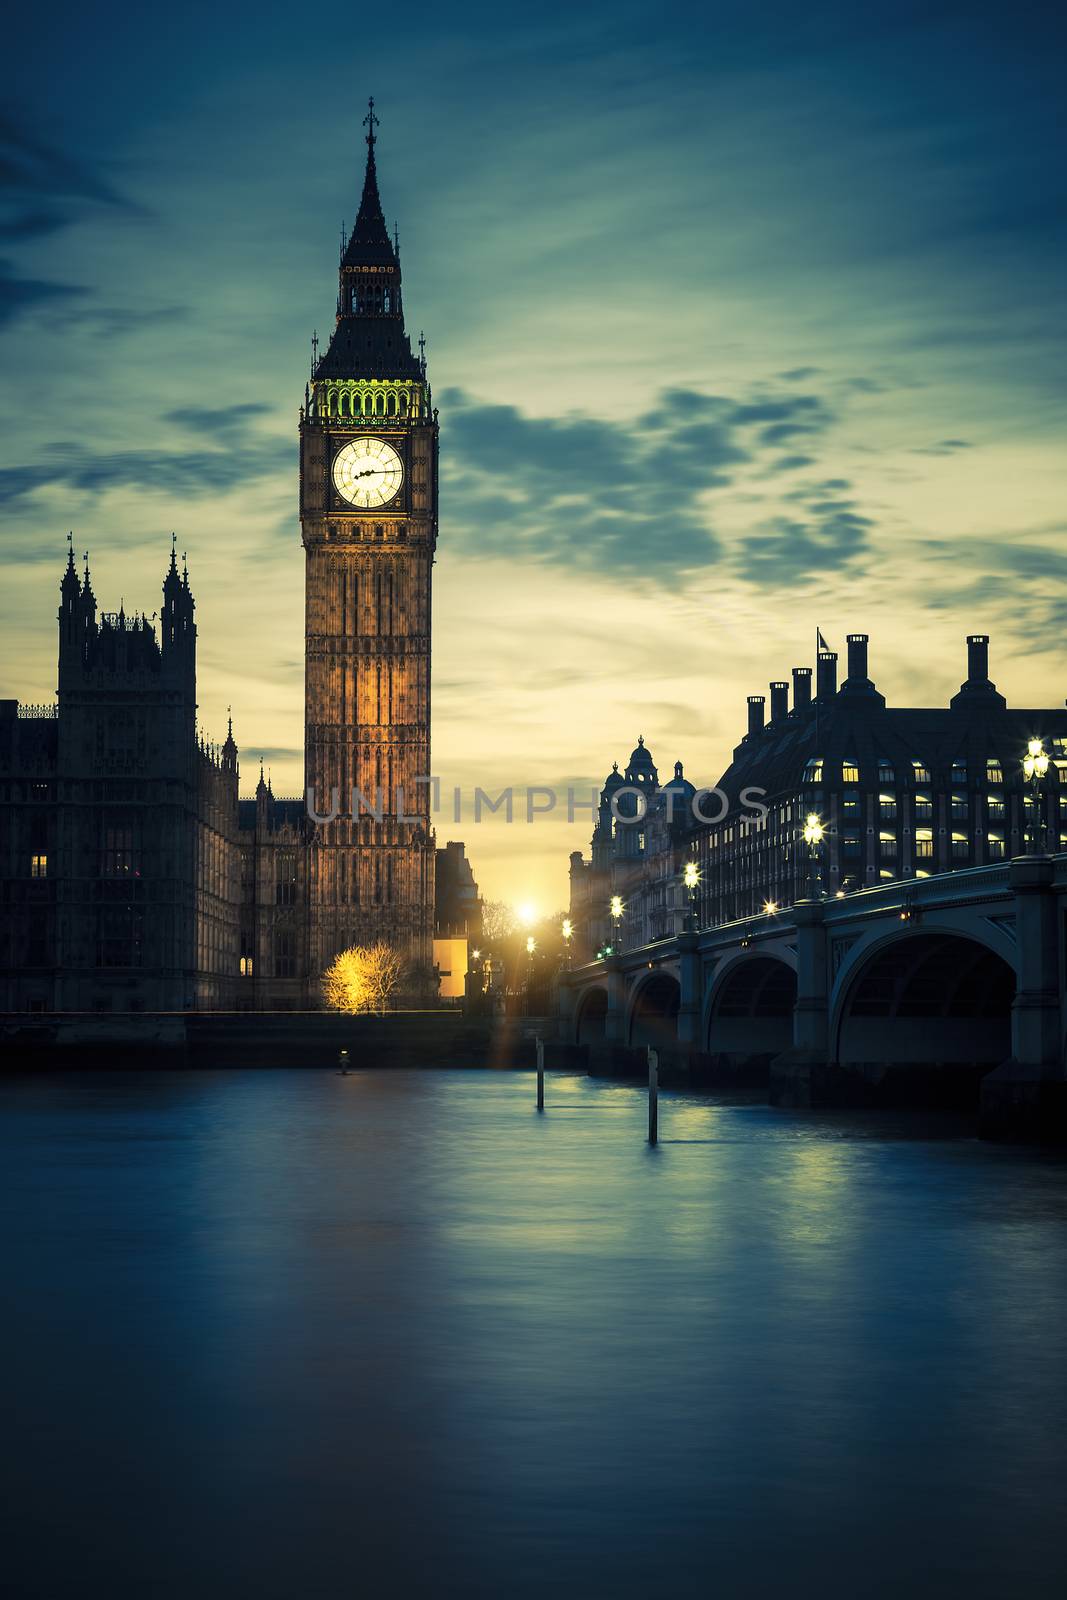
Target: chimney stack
<point>779,701</point>
<point>801,688</point>
<point>978,658</point>
<point>755,715</point>
<point>857,658</point>
<point>826,685</point>
<point>978,688</point>
<point>857,682</point>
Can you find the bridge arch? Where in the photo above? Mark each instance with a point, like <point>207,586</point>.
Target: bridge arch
<point>749,1011</point>
<point>590,1016</point>
<point>929,998</point>
<point>652,1014</point>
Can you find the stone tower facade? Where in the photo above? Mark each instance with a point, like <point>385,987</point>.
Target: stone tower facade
<point>368,512</point>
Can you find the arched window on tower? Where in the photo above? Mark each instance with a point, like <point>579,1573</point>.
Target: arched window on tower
<point>388,301</point>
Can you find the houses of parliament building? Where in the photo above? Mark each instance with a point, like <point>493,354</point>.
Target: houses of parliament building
<point>132,877</point>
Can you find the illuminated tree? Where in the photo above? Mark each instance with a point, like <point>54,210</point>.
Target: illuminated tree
<point>362,978</point>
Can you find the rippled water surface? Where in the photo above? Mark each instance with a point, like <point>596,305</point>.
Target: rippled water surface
<point>291,1334</point>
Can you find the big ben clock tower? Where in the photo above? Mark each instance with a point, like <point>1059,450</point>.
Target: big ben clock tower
<point>368,515</point>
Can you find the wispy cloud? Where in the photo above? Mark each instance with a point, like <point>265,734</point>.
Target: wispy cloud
<point>644,497</point>
<point>240,455</point>
<point>42,190</point>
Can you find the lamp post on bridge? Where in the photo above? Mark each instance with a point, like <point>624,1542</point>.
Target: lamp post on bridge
<point>814,833</point>
<point>691,879</point>
<point>616,909</point>
<point>1035,770</point>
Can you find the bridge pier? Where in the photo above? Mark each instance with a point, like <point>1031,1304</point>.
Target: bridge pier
<point>690,1007</point>
<point>615,1020</point>
<point>1026,1097</point>
<point>800,1076</point>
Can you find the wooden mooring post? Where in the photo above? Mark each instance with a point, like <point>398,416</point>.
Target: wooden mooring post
<point>653,1096</point>
<point>540,1074</point>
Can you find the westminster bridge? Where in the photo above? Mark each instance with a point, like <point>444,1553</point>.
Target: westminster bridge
<point>942,990</point>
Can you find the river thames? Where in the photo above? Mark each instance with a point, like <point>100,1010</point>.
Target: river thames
<point>294,1334</point>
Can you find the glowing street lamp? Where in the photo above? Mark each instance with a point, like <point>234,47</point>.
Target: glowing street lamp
<point>1035,769</point>
<point>814,833</point>
<point>616,910</point>
<point>770,908</point>
<point>567,930</point>
<point>531,946</point>
<point>691,879</point>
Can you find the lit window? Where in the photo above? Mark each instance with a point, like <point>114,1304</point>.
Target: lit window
<point>920,874</point>
<point>993,772</point>
<point>813,770</point>
<point>246,966</point>
<point>850,772</point>
<point>38,866</point>
<point>959,772</point>
<point>961,847</point>
<point>885,771</point>
<point>959,807</point>
<point>887,807</point>
<point>920,772</point>
<point>995,844</point>
<point>924,844</point>
<point>640,841</point>
<point>887,845</point>
<point>885,874</point>
<point>924,808</point>
<point>995,806</point>
<point>850,806</point>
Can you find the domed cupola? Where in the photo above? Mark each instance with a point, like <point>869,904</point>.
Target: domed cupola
<point>641,769</point>
<point>680,783</point>
<point>613,781</point>
<point>676,798</point>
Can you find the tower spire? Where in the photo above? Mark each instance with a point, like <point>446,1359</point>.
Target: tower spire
<point>369,232</point>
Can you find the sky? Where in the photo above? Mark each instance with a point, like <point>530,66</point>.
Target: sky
<point>741,321</point>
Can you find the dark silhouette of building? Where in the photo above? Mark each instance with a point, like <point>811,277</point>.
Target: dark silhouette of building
<point>900,793</point>
<point>120,877</point>
<point>457,903</point>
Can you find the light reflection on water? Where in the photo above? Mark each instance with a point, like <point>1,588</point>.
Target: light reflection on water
<point>293,1334</point>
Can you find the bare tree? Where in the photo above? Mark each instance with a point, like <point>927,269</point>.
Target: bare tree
<point>498,921</point>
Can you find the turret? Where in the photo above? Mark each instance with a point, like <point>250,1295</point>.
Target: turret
<point>69,607</point>
<point>177,626</point>
<point>229,749</point>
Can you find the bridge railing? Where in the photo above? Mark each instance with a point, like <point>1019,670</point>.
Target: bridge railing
<point>940,889</point>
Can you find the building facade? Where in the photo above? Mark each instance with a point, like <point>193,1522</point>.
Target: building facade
<point>900,793</point>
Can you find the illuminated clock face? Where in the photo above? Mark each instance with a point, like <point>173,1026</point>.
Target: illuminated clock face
<point>367,472</point>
